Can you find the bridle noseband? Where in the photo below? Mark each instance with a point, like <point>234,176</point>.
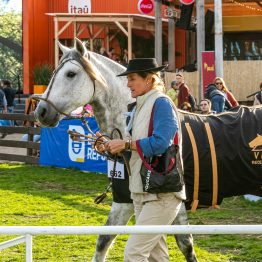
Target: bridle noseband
<point>50,86</point>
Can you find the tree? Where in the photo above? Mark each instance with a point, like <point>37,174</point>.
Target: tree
<point>10,46</point>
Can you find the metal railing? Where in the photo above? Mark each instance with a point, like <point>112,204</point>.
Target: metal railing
<point>29,231</point>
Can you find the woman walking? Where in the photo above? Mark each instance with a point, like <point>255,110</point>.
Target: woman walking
<point>145,84</point>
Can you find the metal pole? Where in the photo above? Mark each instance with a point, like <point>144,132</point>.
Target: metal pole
<point>171,44</point>
<point>218,38</point>
<point>200,10</point>
<point>29,248</point>
<point>158,31</point>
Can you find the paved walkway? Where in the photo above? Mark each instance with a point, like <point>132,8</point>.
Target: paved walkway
<point>12,150</point>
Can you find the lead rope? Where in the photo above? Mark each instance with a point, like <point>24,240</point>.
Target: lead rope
<point>97,140</point>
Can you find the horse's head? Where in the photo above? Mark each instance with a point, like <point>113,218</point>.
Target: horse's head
<point>72,85</point>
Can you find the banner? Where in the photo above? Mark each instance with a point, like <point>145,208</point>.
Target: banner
<point>79,6</point>
<point>208,68</point>
<point>58,149</point>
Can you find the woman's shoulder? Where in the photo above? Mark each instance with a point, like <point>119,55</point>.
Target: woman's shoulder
<point>163,103</point>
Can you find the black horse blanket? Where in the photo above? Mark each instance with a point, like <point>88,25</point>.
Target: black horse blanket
<point>226,150</point>
<point>222,158</point>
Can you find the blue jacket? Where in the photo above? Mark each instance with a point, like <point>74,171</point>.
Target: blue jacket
<point>165,127</point>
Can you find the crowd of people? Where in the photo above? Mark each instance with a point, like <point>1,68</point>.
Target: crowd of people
<point>217,97</point>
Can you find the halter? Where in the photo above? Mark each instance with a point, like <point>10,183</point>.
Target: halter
<point>65,60</point>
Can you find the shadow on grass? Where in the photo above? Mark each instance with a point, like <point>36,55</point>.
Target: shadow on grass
<point>56,184</point>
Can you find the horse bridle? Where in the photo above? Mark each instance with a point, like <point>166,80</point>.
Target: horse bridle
<point>65,60</point>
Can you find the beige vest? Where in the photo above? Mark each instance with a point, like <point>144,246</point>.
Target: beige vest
<point>140,127</point>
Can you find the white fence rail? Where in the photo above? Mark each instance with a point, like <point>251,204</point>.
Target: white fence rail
<point>29,231</point>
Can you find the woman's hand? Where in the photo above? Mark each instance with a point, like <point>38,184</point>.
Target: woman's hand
<point>100,144</point>
<point>115,146</point>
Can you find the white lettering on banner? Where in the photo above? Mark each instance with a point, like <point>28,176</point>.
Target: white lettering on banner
<point>76,149</point>
<point>119,171</point>
<point>93,155</point>
<point>147,180</point>
<point>79,6</point>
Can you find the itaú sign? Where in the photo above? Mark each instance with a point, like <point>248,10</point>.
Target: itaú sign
<point>79,6</point>
<point>186,2</point>
<point>145,6</point>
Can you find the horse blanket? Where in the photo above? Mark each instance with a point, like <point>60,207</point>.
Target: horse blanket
<point>222,154</point>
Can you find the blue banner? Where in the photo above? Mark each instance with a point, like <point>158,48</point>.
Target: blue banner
<point>58,149</point>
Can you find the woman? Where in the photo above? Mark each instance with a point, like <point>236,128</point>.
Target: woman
<point>217,98</point>
<point>220,84</point>
<point>145,84</point>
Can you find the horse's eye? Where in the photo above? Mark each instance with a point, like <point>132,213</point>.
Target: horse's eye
<point>71,74</point>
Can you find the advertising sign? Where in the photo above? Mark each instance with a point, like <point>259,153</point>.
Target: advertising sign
<point>79,6</point>
<point>186,2</point>
<point>208,68</point>
<point>145,6</point>
<point>58,149</point>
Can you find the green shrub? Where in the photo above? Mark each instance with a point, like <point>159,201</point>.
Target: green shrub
<point>42,74</point>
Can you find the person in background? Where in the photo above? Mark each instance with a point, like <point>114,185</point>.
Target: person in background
<point>3,110</point>
<point>103,52</point>
<point>205,107</point>
<point>217,98</point>
<point>173,92</point>
<point>186,107</point>
<point>9,94</point>
<point>184,92</point>
<point>220,84</point>
<point>258,97</point>
<point>3,102</point>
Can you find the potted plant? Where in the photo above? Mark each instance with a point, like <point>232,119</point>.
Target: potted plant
<point>42,74</point>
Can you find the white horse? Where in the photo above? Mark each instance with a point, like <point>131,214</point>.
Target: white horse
<point>85,77</point>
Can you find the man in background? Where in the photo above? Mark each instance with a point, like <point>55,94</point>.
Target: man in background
<point>173,92</point>
<point>205,107</point>
<point>9,94</point>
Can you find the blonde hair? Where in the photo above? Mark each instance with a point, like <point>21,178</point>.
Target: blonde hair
<point>157,80</point>
<point>224,87</point>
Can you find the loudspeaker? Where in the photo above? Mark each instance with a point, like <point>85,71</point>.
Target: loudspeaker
<point>185,16</point>
<point>209,22</point>
<point>209,35</point>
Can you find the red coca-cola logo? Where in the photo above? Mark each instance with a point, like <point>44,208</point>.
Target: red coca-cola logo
<point>145,6</point>
<point>187,2</point>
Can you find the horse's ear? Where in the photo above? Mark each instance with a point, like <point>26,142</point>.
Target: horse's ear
<point>80,47</point>
<point>63,48</point>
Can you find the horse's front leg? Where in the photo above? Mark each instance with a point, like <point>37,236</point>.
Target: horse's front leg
<point>120,214</point>
<point>185,242</point>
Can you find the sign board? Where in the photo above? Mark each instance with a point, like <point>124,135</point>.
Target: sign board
<point>186,2</point>
<point>208,68</point>
<point>58,149</point>
<point>79,6</point>
<point>145,6</point>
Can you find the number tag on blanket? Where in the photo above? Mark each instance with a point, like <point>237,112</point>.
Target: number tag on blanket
<point>119,172</point>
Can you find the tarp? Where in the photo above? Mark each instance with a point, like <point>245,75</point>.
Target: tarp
<point>58,149</point>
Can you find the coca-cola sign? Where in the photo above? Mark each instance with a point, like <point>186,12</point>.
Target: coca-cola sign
<point>145,6</point>
<point>187,2</point>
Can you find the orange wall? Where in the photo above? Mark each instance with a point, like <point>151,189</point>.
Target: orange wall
<point>35,38</point>
<point>38,31</point>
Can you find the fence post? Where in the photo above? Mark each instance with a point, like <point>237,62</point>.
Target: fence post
<point>29,248</point>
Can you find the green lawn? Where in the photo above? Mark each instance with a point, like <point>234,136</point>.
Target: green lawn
<point>33,195</point>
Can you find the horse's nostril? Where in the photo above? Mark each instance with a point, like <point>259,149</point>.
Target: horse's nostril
<point>43,113</point>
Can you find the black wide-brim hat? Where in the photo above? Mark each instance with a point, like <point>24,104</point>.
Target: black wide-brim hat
<point>137,65</point>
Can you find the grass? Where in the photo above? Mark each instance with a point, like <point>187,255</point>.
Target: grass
<point>34,195</point>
